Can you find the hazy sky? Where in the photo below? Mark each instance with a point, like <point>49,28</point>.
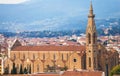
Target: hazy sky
<point>50,8</point>
<point>54,12</point>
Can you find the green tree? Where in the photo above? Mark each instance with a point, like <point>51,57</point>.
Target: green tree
<point>6,70</point>
<point>115,70</point>
<point>64,68</point>
<point>14,69</point>
<point>25,70</point>
<point>21,70</point>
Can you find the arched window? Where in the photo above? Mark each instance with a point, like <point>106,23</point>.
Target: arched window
<point>62,57</point>
<point>89,38</point>
<point>54,57</point>
<point>89,62</point>
<point>17,65</point>
<point>23,56</point>
<point>43,56</point>
<point>8,65</point>
<point>38,68</point>
<point>8,68</point>
<point>14,56</point>
<point>27,66</point>
<point>99,51</point>
<point>17,68</point>
<point>94,37</point>
<point>67,56</point>
<point>33,56</point>
<point>95,62</point>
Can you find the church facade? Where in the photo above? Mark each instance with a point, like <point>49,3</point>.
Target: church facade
<point>93,56</point>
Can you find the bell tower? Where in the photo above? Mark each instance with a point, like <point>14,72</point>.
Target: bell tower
<point>91,42</point>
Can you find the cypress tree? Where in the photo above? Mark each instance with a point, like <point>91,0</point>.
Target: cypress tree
<point>6,71</point>
<point>14,69</point>
<point>25,70</point>
<point>21,71</point>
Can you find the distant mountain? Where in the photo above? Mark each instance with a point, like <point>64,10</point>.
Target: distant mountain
<point>104,27</point>
<point>108,26</point>
<point>54,24</point>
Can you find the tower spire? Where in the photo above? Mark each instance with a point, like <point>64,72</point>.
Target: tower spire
<point>91,11</point>
<point>91,8</point>
<point>91,15</point>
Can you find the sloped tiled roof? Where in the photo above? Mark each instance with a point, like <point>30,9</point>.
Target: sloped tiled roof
<point>45,75</point>
<point>49,48</point>
<point>75,73</point>
<point>82,73</point>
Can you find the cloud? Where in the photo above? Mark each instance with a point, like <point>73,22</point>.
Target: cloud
<point>12,1</point>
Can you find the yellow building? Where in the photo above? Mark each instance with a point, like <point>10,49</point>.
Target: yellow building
<point>0,67</point>
<point>41,56</point>
<point>93,56</point>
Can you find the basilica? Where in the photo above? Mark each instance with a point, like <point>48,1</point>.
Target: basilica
<point>40,59</point>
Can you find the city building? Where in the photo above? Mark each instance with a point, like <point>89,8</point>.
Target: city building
<point>0,66</point>
<point>91,57</point>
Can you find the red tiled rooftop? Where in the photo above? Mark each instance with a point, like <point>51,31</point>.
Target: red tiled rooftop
<point>46,75</point>
<point>82,73</point>
<point>0,61</point>
<point>75,73</point>
<point>49,48</point>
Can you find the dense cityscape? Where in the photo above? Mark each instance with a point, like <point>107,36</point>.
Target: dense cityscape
<point>107,41</point>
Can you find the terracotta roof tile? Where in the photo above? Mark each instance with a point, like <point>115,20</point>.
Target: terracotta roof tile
<point>71,73</point>
<point>49,48</point>
<point>46,75</point>
<point>82,73</point>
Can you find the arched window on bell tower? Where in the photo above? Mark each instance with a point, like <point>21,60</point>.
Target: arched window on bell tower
<point>94,37</point>
<point>94,62</point>
<point>62,57</point>
<point>89,62</point>
<point>89,38</point>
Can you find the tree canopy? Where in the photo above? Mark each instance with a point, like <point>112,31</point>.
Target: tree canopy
<point>115,70</point>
